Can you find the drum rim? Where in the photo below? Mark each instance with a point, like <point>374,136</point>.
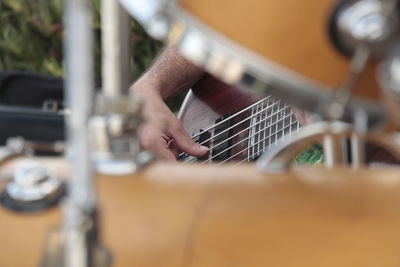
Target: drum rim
<point>246,69</point>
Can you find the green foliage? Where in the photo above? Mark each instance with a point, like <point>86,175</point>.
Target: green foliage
<point>312,155</point>
<point>31,34</point>
<point>144,49</point>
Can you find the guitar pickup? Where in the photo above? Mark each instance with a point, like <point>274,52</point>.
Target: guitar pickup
<point>222,141</point>
<point>203,138</point>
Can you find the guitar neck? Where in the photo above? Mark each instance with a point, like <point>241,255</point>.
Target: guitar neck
<point>272,121</point>
<point>245,135</point>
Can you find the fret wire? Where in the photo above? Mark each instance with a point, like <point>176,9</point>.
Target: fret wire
<point>212,147</point>
<point>229,128</point>
<point>283,130</point>
<point>259,136</point>
<point>275,133</point>
<point>254,129</point>
<point>191,158</point>
<point>234,115</point>
<point>263,135</point>
<point>253,110</point>
<point>251,128</point>
<point>243,130</point>
<point>269,133</point>
<point>235,145</point>
<point>246,159</point>
<point>236,124</point>
<point>290,126</point>
<point>250,136</point>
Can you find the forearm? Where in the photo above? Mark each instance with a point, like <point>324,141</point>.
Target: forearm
<point>169,75</point>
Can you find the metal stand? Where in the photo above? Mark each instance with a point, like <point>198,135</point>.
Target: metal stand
<point>108,139</point>
<point>115,33</point>
<point>114,140</point>
<point>280,158</point>
<point>77,240</point>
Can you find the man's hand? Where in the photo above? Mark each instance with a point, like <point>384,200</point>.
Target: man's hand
<point>162,132</point>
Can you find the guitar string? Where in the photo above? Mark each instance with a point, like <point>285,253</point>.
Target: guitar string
<point>236,114</point>
<point>247,138</point>
<point>231,127</point>
<point>242,121</point>
<point>231,157</point>
<point>254,143</point>
<point>263,150</point>
<point>191,158</point>
<point>283,137</point>
<point>243,130</point>
<point>286,108</point>
<point>286,131</point>
<point>243,150</point>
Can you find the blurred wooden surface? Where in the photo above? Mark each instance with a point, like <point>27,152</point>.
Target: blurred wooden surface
<point>174,215</point>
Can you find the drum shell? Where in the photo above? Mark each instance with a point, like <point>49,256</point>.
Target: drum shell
<point>291,33</point>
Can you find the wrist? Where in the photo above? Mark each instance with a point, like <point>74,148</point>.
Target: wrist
<point>146,88</point>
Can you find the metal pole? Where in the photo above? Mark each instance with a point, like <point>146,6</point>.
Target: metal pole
<point>79,91</point>
<point>79,86</point>
<point>116,71</point>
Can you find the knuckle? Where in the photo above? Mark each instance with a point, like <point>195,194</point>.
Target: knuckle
<point>175,127</point>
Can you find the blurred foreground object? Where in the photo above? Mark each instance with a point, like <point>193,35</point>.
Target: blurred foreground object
<point>177,215</point>
<point>295,59</point>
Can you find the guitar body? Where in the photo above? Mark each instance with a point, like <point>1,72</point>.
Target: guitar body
<point>210,99</point>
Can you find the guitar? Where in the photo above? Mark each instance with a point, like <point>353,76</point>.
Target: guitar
<point>239,128</point>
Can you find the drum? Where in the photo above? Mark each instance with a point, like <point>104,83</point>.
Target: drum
<point>174,215</point>
<point>292,33</point>
<point>281,48</point>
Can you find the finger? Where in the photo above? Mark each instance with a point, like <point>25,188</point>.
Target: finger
<point>155,142</point>
<point>185,144</point>
<point>172,147</point>
<point>162,151</point>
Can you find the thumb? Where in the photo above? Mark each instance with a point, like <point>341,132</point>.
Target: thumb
<point>186,144</point>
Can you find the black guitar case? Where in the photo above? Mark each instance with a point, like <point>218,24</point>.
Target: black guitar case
<point>24,107</point>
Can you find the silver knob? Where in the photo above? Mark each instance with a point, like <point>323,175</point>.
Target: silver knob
<point>33,187</point>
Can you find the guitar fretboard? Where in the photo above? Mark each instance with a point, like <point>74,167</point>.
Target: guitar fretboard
<point>272,120</point>
<point>245,135</point>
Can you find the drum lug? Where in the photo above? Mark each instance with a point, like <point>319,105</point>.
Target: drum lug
<point>371,22</point>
